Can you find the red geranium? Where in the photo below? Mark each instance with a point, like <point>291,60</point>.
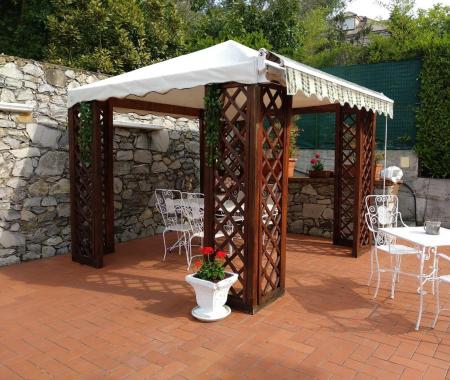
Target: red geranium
<point>317,155</point>
<point>198,264</point>
<point>221,254</point>
<point>207,250</point>
<point>313,161</point>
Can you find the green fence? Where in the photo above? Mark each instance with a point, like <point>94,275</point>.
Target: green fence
<point>397,80</point>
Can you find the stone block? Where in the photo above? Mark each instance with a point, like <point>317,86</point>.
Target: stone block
<point>124,155</point>
<point>23,168</point>
<point>143,156</point>
<point>313,210</point>
<point>11,239</point>
<point>43,135</point>
<point>160,141</point>
<point>38,188</point>
<point>52,163</point>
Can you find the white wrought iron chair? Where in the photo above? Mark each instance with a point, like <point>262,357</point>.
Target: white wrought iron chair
<point>382,212</point>
<point>193,211</point>
<point>437,280</point>
<point>169,204</point>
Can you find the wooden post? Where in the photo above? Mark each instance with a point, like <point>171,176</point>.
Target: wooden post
<point>98,242</point>
<point>108,162</point>
<point>253,196</point>
<point>337,174</point>
<point>74,222</point>
<point>285,190</point>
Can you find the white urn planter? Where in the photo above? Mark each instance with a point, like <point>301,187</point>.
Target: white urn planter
<point>211,297</point>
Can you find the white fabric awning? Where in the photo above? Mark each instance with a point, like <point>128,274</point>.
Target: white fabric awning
<point>180,81</point>
<point>310,81</point>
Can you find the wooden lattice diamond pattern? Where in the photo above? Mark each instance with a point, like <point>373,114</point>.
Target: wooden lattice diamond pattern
<point>230,179</point>
<point>271,187</point>
<point>367,157</point>
<point>347,194</point>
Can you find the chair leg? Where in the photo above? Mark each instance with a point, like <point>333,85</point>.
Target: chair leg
<point>189,252</point>
<point>395,271</point>
<point>165,245</point>
<point>371,266</point>
<point>378,274</point>
<point>438,304</point>
<point>179,242</point>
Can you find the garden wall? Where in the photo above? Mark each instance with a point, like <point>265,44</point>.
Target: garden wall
<point>34,176</point>
<point>433,195</point>
<point>310,209</point>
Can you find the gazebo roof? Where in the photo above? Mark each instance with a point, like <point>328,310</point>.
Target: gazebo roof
<point>180,81</point>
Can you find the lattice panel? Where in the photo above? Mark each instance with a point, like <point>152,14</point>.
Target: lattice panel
<point>347,151</point>
<point>273,136</point>
<point>367,157</point>
<point>87,190</point>
<point>230,184</point>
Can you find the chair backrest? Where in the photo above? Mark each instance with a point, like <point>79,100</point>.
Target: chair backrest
<point>381,212</point>
<point>169,204</point>
<point>194,210</point>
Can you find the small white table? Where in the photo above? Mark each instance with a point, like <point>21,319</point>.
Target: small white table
<point>428,245</point>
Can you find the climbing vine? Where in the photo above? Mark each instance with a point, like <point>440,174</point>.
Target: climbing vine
<point>433,114</point>
<point>211,123</point>
<point>85,133</point>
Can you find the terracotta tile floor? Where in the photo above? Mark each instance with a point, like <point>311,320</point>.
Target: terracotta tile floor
<point>130,320</point>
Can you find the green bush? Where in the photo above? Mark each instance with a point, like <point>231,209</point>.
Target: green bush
<point>433,114</point>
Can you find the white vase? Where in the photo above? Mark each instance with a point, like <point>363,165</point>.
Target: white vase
<point>211,297</point>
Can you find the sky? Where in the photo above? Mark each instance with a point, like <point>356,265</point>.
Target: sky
<point>371,9</point>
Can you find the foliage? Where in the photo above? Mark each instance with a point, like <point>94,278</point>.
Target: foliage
<point>23,27</point>
<point>316,164</point>
<point>211,123</point>
<point>433,115</point>
<point>210,268</point>
<point>293,134</point>
<point>112,36</point>
<point>85,133</point>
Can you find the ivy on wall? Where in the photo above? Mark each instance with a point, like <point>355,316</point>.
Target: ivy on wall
<point>211,123</point>
<point>85,133</point>
<point>433,114</point>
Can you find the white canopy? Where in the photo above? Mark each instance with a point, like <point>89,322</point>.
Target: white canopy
<point>180,81</point>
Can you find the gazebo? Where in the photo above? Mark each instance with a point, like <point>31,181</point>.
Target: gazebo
<point>244,158</point>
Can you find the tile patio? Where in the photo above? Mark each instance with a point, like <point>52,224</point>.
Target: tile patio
<point>130,320</point>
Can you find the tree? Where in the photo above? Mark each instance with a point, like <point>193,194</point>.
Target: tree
<point>23,27</point>
<point>113,36</point>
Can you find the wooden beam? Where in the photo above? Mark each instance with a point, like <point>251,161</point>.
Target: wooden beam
<point>315,109</point>
<point>254,125</point>
<point>166,109</point>
<point>74,224</point>
<point>108,160</point>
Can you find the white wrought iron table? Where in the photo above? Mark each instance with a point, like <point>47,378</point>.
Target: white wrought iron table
<point>427,245</point>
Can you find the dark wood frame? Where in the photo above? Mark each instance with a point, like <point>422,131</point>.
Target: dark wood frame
<point>353,173</point>
<point>262,255</point>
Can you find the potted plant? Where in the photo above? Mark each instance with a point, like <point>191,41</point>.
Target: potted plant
<point>211,285</point>
<point>379,158</point>
<point>292,150</point>
<point>317,170</point>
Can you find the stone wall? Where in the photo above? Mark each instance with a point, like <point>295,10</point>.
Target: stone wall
<point>310,209</point>
<point>34,177</point>
<point>432,195</point>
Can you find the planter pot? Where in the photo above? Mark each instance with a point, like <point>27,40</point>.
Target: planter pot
<point>320,173</point>
<point>211,297</point>
<point>291,167</point>
<point>378,169</point>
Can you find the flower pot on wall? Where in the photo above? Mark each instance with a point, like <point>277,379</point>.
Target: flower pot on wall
<point>378,169</point>
<point>291,167</point>
<point>320,173</point>
<point>211,297</point>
